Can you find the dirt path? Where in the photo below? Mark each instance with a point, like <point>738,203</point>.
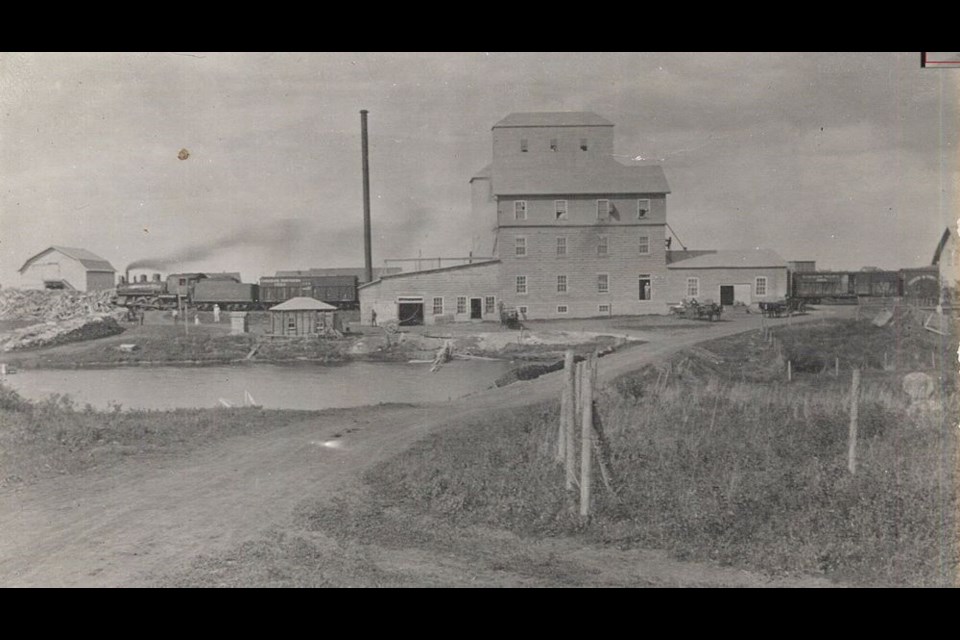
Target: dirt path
<point>126,525</point>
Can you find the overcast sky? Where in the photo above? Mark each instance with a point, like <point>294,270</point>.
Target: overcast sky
<point>847,159</point>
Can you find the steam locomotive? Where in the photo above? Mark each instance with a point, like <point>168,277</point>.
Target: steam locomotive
<point>204,290</point>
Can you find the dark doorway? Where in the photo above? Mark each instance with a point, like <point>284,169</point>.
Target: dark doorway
<point>476,308</point>
<point>726,294</point>
<point>410,314</point>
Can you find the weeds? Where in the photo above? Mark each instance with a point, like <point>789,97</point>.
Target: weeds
<point>728,465</point>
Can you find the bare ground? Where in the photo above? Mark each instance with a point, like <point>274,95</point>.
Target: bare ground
<point>232,513</point>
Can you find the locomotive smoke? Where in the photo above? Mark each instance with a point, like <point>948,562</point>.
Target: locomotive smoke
<point>284,233</point>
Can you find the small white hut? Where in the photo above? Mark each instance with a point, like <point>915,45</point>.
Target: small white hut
<point>303,317</point>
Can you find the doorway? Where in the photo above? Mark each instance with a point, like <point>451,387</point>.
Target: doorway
<point>409,314</point>
<point>476,308</point>
<point>726,294</point>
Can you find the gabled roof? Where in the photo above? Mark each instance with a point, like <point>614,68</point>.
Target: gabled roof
<point>556,174</point>
<point>554,119</point>
<point>90,261</point>
<point>736,259</point>
<point>303,303</point>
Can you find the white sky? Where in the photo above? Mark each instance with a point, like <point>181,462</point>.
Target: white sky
<point>847,159</point>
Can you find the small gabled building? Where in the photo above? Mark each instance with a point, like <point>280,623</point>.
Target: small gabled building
<point>68,268</point>
<point>303,317</point>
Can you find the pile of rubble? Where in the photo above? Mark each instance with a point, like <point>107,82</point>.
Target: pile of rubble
<point>51,333</point>
<point>48,305</point>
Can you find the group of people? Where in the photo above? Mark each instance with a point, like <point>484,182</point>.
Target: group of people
<point>137,314</point>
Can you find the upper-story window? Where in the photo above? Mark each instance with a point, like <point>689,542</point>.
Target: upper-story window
<point>602,245</point>
<point>644,245</point>
<point>693,287</point>
<point>520,244</point>
<point>643,207</point>
<point>553,145</point>
<point>523,145</point>
<point>603,209</point>
<point>562,246</point>
<point>560,206</point>
<point>583,144</point>
<point>520,210</point>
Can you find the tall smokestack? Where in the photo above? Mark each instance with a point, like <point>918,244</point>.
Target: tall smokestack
<point>367,253</point>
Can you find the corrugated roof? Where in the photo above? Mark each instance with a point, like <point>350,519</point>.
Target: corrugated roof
<point>89,260</point>
<point>735,259</point>
<point>554,119</point>
<point>303,303</point>
<point>571,174</point>
<point>335,271</point>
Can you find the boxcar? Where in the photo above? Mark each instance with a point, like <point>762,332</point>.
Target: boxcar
<point>921,284</point>
<point>877,284</point>
<point>340,291</point>
<point>824,285</point>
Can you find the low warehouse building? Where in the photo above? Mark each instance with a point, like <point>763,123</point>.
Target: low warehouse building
<point>462,292</point>
<point>67,268</point>
<point>727,277</point>
<point>303,317</point>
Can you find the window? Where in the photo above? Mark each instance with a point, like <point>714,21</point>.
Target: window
<point>603,283</point>
<point>520,210</point>
<point>291,323</point>
<point>183,282</point>
<point>461,304</point>
<point>761,288</point>
<point>561,284</point>
<point>438,306</point>
<point>602,245</point>
<point>561,208</point>
<point>604,308</point>
<point>489,304</point>
<point>523,145</point>
<point>693,287</point>
<point>583,144</point>
<point>522,310</point>
<point>553,144</point>
<point>603,209</point>
<point>644,245</point>
<point>643,207</point>
<point>562,246</point>
<point>520,246</point>
<point>522,285</point>
<point>646,293</point>
<point>561,308</point>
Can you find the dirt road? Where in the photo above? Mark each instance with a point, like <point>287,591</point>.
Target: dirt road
<point>133,523</point>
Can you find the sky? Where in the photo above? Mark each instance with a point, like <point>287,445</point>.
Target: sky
<point>847,159</point>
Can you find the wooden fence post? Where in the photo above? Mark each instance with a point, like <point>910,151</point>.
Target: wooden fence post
<point>854,408</point>
<point>836,367</point>
<point>789,371</point>
<point>566,394</point>
<point>570,386</point>
<point>586,429</point>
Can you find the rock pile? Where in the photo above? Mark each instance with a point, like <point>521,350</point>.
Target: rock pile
<point>47,305</point>
<point>52,333</point>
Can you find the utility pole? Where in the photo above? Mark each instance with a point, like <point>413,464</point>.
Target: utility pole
<point>367,252</point>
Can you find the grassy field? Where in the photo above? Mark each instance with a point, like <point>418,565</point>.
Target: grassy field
<point>717,457</point>
<point>56,437</point>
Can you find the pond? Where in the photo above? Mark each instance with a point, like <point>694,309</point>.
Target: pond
<point>272,386</point>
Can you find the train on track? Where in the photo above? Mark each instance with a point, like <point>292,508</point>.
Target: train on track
<point>205,290</point>
<point>921,284</point>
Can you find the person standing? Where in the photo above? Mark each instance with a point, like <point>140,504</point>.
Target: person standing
<point>373,317</point>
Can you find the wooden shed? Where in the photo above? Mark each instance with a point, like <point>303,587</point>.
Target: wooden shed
<point>303,317</point>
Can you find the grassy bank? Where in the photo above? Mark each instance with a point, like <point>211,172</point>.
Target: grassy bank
<point>716,457</point>
<point>55,437</point>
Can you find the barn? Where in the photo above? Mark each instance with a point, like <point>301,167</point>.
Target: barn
<point>69,268</point>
